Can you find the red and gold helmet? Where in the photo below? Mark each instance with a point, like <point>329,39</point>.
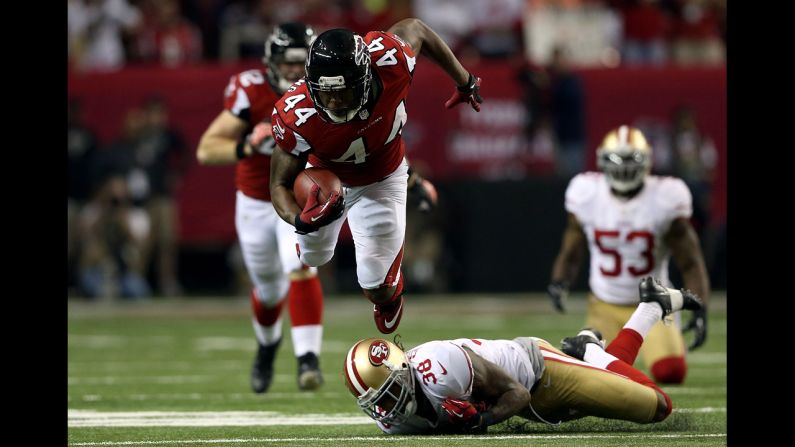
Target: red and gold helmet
<point>625,158</point>
<point>378,374</point>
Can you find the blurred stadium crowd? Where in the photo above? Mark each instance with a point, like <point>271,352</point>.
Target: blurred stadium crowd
<point>109,34</point>
<point>123,219</point>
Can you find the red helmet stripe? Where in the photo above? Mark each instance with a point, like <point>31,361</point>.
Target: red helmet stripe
<point>352,374</point>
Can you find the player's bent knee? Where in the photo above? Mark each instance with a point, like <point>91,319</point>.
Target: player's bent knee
<point>670,370</point>
<point>664,406</point>
<point>316,258</point>
<point>271,290</point>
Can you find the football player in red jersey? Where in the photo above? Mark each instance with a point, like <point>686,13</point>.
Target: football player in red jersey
<point>267,242</point>
<point>347,116</point>
<point>467,384</point>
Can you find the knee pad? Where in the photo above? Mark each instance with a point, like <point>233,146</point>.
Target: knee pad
<point>271,289</point>
<point>316,258</point>
<point>669,370</point>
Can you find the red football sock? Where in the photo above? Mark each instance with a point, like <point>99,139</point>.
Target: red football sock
<point>265,316</point>
<point>669,370</point>
<point>305,302</point>
<point>618,366</point>
<point>625,346</point>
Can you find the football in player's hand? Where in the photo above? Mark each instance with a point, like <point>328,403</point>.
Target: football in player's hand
<point>326,181</point>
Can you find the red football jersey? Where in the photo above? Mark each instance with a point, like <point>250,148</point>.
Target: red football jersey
<point>250,97</point>
<point>368,148</point>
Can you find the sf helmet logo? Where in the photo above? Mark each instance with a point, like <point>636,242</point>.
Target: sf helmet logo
<point>379,351</point>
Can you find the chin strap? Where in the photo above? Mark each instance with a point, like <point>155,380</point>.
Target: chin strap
<point>348,116</point>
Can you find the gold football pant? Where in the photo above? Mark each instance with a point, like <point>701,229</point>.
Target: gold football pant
<point>571,389</point>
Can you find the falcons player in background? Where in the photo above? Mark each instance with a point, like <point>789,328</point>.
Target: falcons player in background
<point>467,384</point>
<point>268,243</point>
<point>633,223</point>
<point>347,117</point>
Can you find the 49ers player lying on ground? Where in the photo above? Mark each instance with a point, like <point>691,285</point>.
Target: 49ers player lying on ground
<point>347,116</point>
<point>465,385</point>
<point>633,223</point>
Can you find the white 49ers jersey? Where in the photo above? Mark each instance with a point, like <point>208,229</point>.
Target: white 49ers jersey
<point>625,237</point>
<point>443,369</point>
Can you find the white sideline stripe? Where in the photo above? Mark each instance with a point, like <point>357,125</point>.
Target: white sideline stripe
<point>206,396</point>
<point>115,380</point>
<point>700,410</point>
<point>704,358</point>
<point>172,380</point>
<point>673,390</point>
<point>398,439</point>
<point>102,341</point>
<point>91,418</point>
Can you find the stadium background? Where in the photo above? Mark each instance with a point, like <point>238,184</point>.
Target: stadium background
<point>501,213</point>
<point>173,371</point>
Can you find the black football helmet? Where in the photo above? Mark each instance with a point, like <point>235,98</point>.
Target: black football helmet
<point>288,43</point>
<point>338,74</point>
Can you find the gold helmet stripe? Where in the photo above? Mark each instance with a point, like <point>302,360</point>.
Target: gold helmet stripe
<point>353,375</point>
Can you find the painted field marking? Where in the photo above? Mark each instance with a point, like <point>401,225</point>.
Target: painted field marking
<point>92,418</point>
<point>484,438</point>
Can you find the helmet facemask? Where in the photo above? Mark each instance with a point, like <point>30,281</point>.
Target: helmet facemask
<point>290,56</point>
<point>394,401</point>
<point>287,44</point>
<point>625,170</point>
<point>340,88</point>
<point>625,158</point>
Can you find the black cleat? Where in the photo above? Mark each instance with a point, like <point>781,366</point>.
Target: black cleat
<point>309,375</point>
<point>262,371</point>
<point>575,346</point>
<point>670,300</point>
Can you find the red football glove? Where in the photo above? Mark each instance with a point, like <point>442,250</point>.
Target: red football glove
<point>261,139</point>
<point>316,215</point>
<point>469,93</point>
<point>461,412</point>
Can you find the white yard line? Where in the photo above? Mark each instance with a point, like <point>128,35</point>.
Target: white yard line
<point>695,391</point>
<point>700,410</point>
<point>480,439</point>
<point>208,396</point>
<point>91,418</point>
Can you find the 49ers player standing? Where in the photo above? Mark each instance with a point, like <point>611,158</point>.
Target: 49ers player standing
<point>268,243</point>
<point>347,117</point>
<point>633,223</point>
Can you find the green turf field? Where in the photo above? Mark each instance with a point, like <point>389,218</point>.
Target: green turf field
<point>175,373</point>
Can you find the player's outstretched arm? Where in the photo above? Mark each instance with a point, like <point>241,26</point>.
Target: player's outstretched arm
<point>682,239</point>
<point>424,40</point>
<point>567,264</point>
